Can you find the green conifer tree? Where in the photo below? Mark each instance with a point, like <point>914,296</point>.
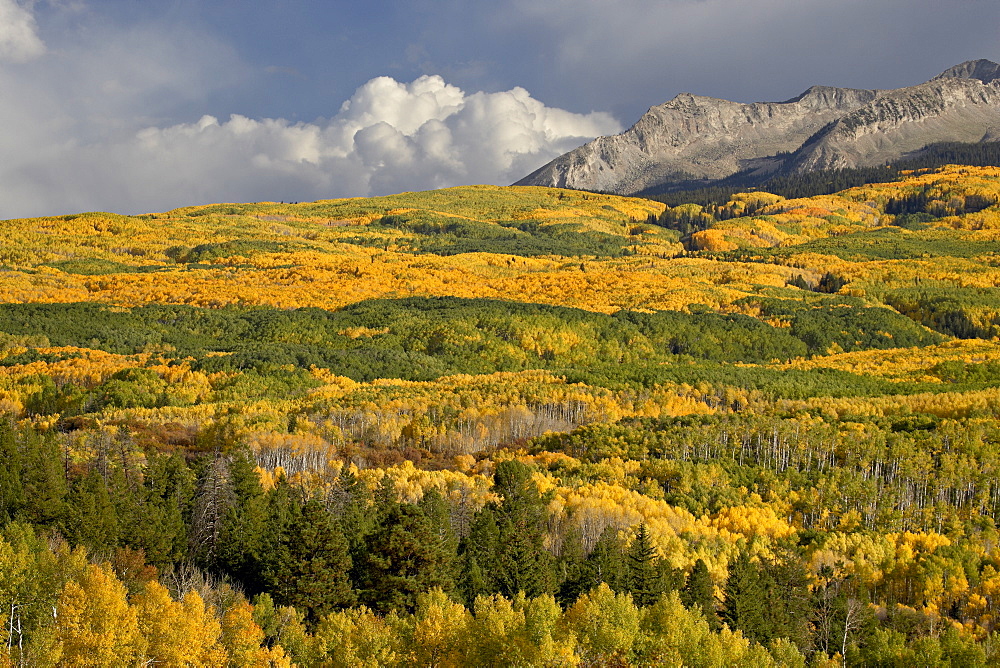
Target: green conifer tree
<point>241,549</point>
<point>643,578</point>
<point>438,512</point>
<point>44,480</point>
<point>477,553</point>
<point>404,559</point>
<point>92,519</point>
<point>605,563</point>
<point>744,606</point>
<point>570,567</point>
<point>310,564</point>
<point>170,487</point>
<point>699,594</point>
<point>522,563</point>
<point>11,487</point>
<point>351,504</point>
<point>788,599</point>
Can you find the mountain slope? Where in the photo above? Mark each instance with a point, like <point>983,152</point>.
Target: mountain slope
<point>693,137</point>
<point>983,70</point>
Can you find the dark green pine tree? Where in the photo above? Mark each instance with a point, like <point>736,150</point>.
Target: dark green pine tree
<point>351,504</point>
<point>386,498</point>
<point>505,550</point>
<point>477,553</point>
<point>570,566</point>
<point>308,567</point>
<point>139,524</point>
<point>242,533</point>
<point>744,607</point>
<point>404,558</point>
<point>438,512</point>
<point>169,485</point>
<point>11,487</point>
<point>788,598</point>
<point>148,527</point>
<point>283,509</point>
<point>92,519</point>
<point>522,563</point>
<point>43,479</point>
<point>606,563</point>
<point>643,578</point>
<point>472,582</point>
<point>699,594</point>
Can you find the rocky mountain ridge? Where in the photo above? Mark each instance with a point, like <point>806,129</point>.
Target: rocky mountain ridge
<point>693,138</point>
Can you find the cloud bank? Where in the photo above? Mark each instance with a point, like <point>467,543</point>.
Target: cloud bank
<point>389,137</point>
<point>87,127</point>
<point>19,40</point>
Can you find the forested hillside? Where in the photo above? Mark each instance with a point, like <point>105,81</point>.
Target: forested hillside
<point>492,426</point>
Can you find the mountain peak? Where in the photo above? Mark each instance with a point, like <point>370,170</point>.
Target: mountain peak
<point>692,138</point>
<point>985,70</point>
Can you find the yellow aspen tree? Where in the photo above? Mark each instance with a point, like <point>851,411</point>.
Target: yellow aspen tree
<point>497,633</point>
<point>606,623</point>
<point>551,645</point>
<point>242,639</point>
<point>95,623</point>
<point>438,631</point>
<point>179,633</point>
<point>358,638</point>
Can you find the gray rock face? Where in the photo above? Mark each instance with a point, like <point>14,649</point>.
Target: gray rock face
<point>984,70</point>
<point>903,121</point>
<point>694,137</point>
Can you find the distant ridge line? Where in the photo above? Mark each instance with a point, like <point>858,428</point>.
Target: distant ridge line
<point>694,139</point>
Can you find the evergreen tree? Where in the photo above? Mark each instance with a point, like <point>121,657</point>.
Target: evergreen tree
<point>169,492</point>
<point>143,525</point>
<point>386,498</point>
<point>744,605</point>
<point>699,594</point>
<point>351,503</point>
<point>505,552</point>
<point>404,559</point>
<point>522,563</point>
<point>477,553</point>
<point>605,563</point>
<point>437,511</point>
<point>570,566</point>
<point>643,579</point>
<point>309,567</point>
<point>788,599</point>
<point>44,481</point>
<point>284,506</point>
<point>242,532</point>
<point>11,487</point>
<point>92,518</point>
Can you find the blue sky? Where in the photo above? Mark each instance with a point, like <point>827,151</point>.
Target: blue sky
<point>133,106</point>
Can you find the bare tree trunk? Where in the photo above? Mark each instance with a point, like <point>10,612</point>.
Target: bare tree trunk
<point>852,613</point>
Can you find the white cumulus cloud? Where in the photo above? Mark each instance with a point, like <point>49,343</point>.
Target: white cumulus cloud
<point>90,123</point>
<point>19,40</point>
<point>388,137</point>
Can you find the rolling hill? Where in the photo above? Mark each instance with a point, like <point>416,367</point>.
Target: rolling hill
<point>508,426</point>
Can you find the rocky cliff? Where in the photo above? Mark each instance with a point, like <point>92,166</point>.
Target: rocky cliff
<point>702,138</point>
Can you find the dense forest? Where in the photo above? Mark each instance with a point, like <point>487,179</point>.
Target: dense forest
<point>507,426</point>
